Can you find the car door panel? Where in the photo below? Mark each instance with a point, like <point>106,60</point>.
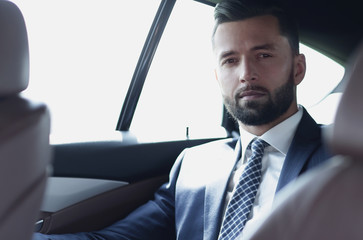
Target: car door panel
<point>99,210</point>
<point>116,178</point>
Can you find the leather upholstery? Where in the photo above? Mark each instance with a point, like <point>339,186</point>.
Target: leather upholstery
<point>14,50</point>
<point>25,152</point>
<point>346,137</point>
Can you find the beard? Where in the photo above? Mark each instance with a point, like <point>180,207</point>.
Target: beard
<point>256,113</point>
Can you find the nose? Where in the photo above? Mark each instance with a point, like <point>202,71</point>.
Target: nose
<point>247,71</point>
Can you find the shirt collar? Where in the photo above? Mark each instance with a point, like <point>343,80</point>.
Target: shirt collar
<point>279,137</point>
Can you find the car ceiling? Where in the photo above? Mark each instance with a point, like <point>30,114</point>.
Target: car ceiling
<point>333,27</point>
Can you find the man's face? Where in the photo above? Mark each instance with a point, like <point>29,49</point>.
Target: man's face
<point>256,69</point>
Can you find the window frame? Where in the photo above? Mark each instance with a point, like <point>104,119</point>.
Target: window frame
<point>144,63</point>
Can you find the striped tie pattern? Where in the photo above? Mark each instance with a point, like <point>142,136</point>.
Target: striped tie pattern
<point>242,200</point>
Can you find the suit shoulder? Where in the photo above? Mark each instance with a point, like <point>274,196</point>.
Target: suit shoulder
<point>217,147</point>
<point>228,143</point>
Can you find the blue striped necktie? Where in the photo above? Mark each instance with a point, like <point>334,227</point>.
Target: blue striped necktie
<point>240,205</point>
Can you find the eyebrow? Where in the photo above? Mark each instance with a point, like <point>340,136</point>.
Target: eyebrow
<point>267,46</point>
<point>226,54</point>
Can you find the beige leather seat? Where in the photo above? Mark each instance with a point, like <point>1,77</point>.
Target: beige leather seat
<point>24,133</point>
<point>327,203</point>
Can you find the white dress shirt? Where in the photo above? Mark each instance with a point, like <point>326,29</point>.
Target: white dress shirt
<point>279,139</point>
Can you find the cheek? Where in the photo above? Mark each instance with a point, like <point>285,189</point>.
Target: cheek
<point>226,86</point>
<point>277,75</point>
<point>227,82</point>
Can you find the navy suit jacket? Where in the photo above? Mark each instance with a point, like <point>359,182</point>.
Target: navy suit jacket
<point>190,205</point>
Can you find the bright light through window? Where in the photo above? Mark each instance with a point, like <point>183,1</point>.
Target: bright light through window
<point>83,54</point>
<point>322,76</point>
<point>82,57</point>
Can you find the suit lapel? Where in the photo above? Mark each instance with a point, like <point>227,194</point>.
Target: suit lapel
<point>304,143</point>
<point>216,189</point>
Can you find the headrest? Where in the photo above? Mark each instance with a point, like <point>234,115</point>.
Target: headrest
<point>14,50</point>
<point>345,137</point>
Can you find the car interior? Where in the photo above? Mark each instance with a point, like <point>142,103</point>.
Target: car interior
<point>24,133</point>
<point>95,183</point>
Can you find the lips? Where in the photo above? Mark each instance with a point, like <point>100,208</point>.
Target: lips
<point>251,94</point>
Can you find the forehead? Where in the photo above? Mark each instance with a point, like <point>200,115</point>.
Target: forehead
<point>248,33</point>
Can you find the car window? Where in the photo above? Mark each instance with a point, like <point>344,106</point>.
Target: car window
<point>83,54</point>
<point>181,96</point>
<point>321,78</point>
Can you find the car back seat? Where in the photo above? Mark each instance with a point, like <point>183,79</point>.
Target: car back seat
<point>25,152</point>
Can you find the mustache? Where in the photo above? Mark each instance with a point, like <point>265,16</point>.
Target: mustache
<point>247,88</point>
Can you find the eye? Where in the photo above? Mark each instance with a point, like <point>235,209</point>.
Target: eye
<point>229,61</point>
<point>264,55</point>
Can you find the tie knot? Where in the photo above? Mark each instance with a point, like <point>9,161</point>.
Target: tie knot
<point>257,146</point>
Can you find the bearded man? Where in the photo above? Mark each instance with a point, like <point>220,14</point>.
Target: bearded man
<point>217,190</point>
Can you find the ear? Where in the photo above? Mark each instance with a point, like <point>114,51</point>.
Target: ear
<point>299,68</point>
<point>216,75</point>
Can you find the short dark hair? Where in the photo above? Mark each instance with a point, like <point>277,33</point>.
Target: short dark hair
<point>237,10</point>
